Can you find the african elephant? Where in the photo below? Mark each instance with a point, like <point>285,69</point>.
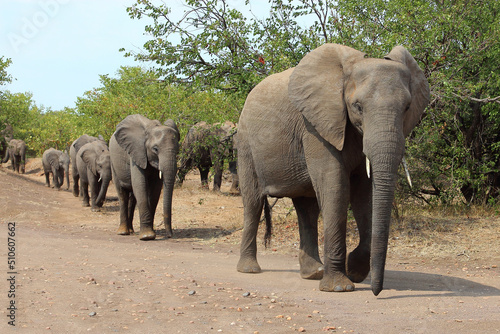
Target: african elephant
<point>16,152</point>
<point>57,163</point>
<point>207,145</point>
<point>73,150</point>
<point>307,132</point>
<point>94,168</point>
<point>143,159</point>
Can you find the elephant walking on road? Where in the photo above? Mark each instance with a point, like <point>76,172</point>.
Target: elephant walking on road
<point>57,163</point>
<point>143,160</point>
<point>207,145</point>
<point>308,133</point>
<point>73,150</point>
<point>94,168</point>
<point>16,152</point>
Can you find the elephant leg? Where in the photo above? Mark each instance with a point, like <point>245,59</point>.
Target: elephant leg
<point>217,177</point>
<point>125,198</point>
<point>47,179</point>
<point>358,261</point>
<point>141,183</point>
<point>76,187</point>
<point>130,212</point>
<point>307,214</point>
<point>330,180</point>
<point>204,176</point>
<point>253,203</point>
<point>235,188</point>
<point>84,191</point>
<point>335,221</point>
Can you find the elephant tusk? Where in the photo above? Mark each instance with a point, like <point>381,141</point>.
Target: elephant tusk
<point>100,178</point>
<point>367,167</point>
<point>160,175</point>
<point>407,172</point>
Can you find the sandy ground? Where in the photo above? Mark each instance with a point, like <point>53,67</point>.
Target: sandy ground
<point>74,274</point>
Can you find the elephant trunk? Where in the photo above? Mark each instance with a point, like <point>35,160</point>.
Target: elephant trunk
<point>169,170</point>
<point>6,157</point>
<point>385,157</point>
<point>104,189</point>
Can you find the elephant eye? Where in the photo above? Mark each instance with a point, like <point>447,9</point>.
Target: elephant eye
<point>358,107</point>
<point>155,149</point>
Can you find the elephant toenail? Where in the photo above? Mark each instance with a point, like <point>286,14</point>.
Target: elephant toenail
<point>338,288</point>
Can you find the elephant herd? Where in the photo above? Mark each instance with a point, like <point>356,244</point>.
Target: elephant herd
<point>328,133</point>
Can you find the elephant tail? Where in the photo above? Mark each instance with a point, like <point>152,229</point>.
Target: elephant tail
<point>267,217</point>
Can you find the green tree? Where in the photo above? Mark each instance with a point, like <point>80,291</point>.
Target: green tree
<point>4,76</point>
<point>138,91</point>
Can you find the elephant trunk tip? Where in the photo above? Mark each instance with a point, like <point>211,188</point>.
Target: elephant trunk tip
<point>377,288</point>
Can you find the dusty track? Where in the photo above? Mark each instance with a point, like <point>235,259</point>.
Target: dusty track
<point>74,274</point>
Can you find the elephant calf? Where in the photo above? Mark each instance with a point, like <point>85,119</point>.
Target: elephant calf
<point>57,163</point>
<point>94,168</point>
<point>73,150</point>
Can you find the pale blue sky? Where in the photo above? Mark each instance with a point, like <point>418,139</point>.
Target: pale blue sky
<point>60,47</point>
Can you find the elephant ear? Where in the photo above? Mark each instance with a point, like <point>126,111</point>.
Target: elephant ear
<point>419,87</point>
<point>316,88</point>
<point>89,156</point>
<point>130,134</point>
<point>171,124</point>
<point>53,160</point>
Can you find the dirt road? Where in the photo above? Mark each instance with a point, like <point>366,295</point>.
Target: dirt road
<point>74,274</point>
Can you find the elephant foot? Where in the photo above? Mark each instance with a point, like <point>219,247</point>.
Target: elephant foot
<point>310,268</point>
<point>124,230</point>
<point>169,233</point>
<point>248,265</point>
<point>95,209</point>
<point>358,265</point>
<point>147,235</point>
<point>85,204</point>
<point>336,282</point>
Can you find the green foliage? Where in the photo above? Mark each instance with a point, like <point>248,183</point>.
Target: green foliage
<point>4,76</point>
<point>137,91</point>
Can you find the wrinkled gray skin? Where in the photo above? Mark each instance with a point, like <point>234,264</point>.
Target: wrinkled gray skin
<point>141,149</point>
<point>73,150</point>
<point>305,133</point>
<point>16,152</point>
<point>57,163</point>
<point>94,168</point>
<point>205,146</point>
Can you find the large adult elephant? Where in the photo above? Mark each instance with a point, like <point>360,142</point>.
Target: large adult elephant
<point>57,163</point>
<point>16,152</point>
<point>306,133</point>
<point>144,159</point>
<point>207,145</point>
<point>94,168</point>
<point>73,150</point>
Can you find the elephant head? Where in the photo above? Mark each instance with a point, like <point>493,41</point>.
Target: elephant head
<point>96,156</point>
<point>150,143</point>
<point>383,99</point>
